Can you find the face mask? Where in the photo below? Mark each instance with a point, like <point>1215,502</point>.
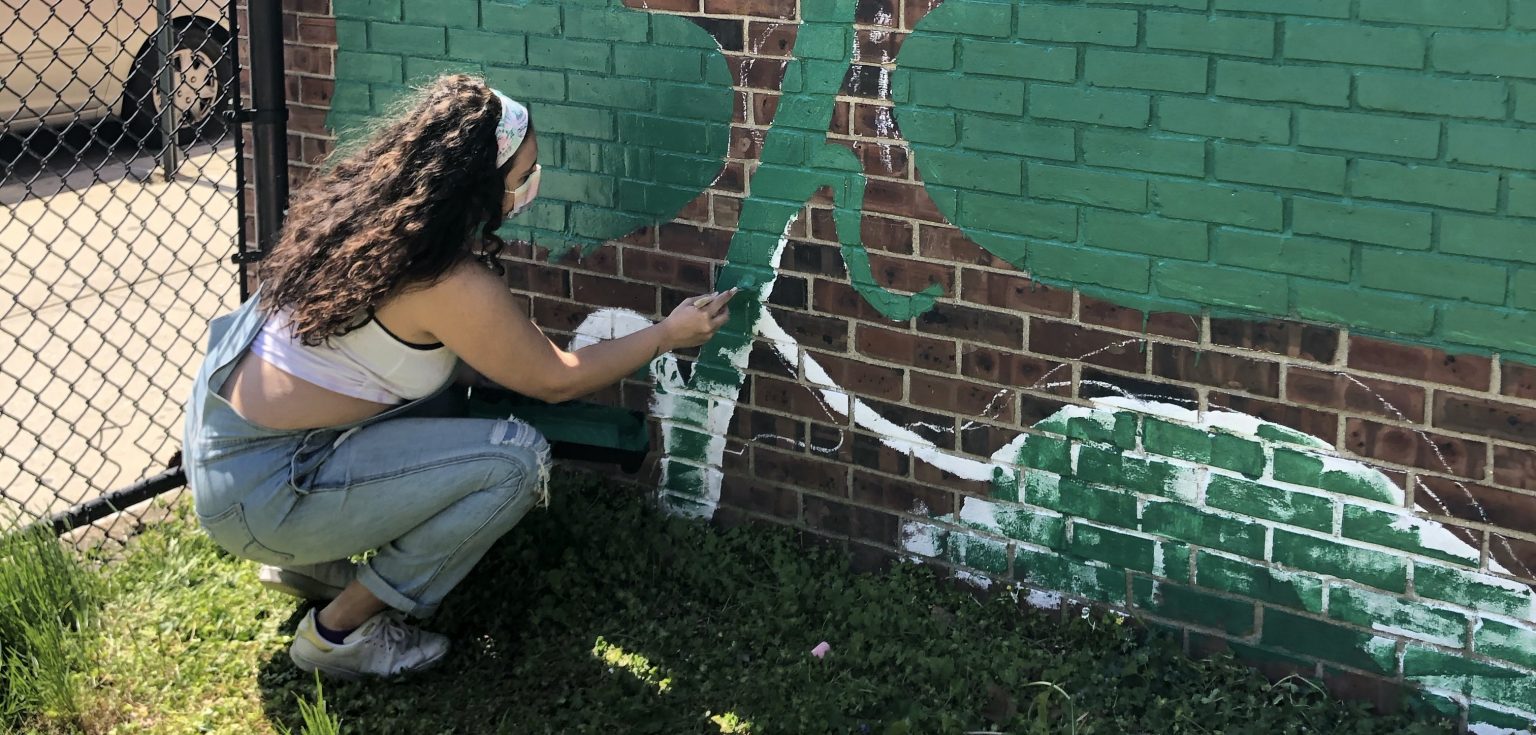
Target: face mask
<point>525,194</point>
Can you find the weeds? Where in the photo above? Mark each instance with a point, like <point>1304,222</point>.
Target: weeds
<point>47,605</point>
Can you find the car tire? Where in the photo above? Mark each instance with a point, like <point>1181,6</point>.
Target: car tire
<point>203,79</point>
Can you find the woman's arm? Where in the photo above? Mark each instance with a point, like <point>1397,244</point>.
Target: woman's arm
<point>472,312</point>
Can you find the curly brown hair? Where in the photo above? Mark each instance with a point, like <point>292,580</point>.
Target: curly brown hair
<point>418,197</point>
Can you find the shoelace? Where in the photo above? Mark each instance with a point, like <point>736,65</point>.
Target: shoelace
<point>393,630</point>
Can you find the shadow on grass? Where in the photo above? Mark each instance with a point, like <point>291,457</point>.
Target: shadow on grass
<point>602,615</point>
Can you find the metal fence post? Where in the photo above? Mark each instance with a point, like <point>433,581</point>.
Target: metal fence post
<point>269,123</point>
<point>165,82</point>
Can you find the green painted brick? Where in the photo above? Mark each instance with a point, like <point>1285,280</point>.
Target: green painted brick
<point>571,55</point>
<point>1300,256</point>
<point>531,18</point>
<point>1145,234</point>
<point>1361,483</point>
<point>494,48</point>
<point>1368,133</point>
<point>1312,85</point>
<point>1118,271</point>
<point>1181,4</point>
<point>1522,289</point>
<point>1379,224</point>
<point>1233,120</point>
<point>1179,521</point>
<point>1178,602</point>
<point>606,24</point>
<point>1515,644</point>
<point>1059,573</point>
<point>366,67</point>
<point>987,172</point>
<point>368,9</point>
<point>1112,547</point>
<point>1342,43</point>
<point>1237,454</point>
<point>582,122</point>
<point>1176,440</point>
<point>1490,327</point>
<point>1522,14</point>
<point>1225,35</point>
<point>1047,453</point>
<point>1298,468</point>
<point>1462,13</point>
<point>1154,477</point>
<point>1468,676</point>
<point>1032,526</point>
<point>827,45</point>
<point>1295,591</point>
<point>599,90</point>
<point>932,127</point>
<point>1017,137</point>
<point>1115,191</point>
<point>1373,568</point>
<point>568,186</point>
<point>1282,168</point>
<point>1399,531</point>
<point>1489,237</point>
<point>351,97</point>
<point>985,18</point>
<point>1427,95</point>
<point>1010,215</point>
<point>1101,107</point>
<point>1472,190</point>
<point>1277,433</point>
<point>1496,55</point>
<point>351,34</point>
<point>1498,718</point>
<point>1522,195</point>
<point>1098,465</point>
<point>1140,70</point>
<point>1141,152</point>
<point>447,13</point>
<point>1070,24</point>
<point>1260,210</point>
<point>986,555</point>
<point>927,52</point>
<point>676,64</point>
<point>1319,8</point>
<point>1121,432</point>
<point>1214,284</point>
<point>419,70</point>
<point>1432,275</point>
<point>1082,500</point>
<point>529,84</point>
<point>1313,512</point>
<point>1013,59</point>
<point>1405,617</point>
<point>997,96</point>
<point>1525,101</point>
<point>693,102</point>
<point>397,38</point>
<point>1327,641</point>
<point>1486,145</point>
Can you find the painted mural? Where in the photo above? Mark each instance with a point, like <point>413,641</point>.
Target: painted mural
<point>1188,203</point>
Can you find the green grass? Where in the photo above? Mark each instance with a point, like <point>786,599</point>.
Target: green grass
<point>47,605</point>
<point>602,616</point>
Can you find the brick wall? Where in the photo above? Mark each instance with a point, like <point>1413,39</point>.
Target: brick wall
<point>1213,311</point>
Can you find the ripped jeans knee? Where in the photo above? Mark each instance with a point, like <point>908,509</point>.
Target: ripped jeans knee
<point>513,431</point>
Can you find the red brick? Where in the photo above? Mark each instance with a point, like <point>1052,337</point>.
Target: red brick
<point>901,496</point>
<point>1403,446</point>
<point>1014,292</point>
<point>1419,363</point>
<point>1096,383</point>
<point>1165,324</point>
<point>934,427</point>
<point>727,209</point>
<point>1519,381</point>
<point>1303,341</point>
<point>876,46</point>
<point>841,113</point>
<point>673,6</point>
<point>823,224</point>
<point>800,470</point>
<point>1517,555</point>
<point>774,430</point>
<point>1514,467</point>
<point>888,235</point>
<point>874,121</point>
<point>870,452</point>
<point>694,240</point>
<point>880,159</point>
<point>1484,417</point>
<point>746,143</point>
<point>812,331</point>
<point>1216,369</point>
<point>814,258</point>
<point>860,378</point>
<point>600,291</point>
<point>984,440</point>
<point>767,38</point>
<point>309,60</point>
<point>759,73</point>
<point>1075,342</point>
<point>1384,696</point>
<point>306,120</point>
<point>905,348</point>
<point>321,31</point>
<point>948,243</point>
<point>562,316</point>
<point>316,149</point>
<point>830,442</point>
<point>851,520</point>
<point>696,210</point>
<point>962,397</point>
<point>934,475</point>
<point>901,199</point>
<point>878,12</point>
<point>1036,406</point>
<point>971,324</point>
<point>764,106</point>
<point>837,297</point>
<point>1373,396</point>
<point>658,267</point>
<point>905,274</point>
<point>1470,501</point>
<point>602,260</point>
<point>758,8</point>
<point>1321,424</point>
<point>787,396</point>
<point>772,500</point>
<point>1009,368</point>
<point>316,92</point>
<point>913,11</point>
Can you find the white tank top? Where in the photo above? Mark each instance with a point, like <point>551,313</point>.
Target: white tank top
<point>368,362</point>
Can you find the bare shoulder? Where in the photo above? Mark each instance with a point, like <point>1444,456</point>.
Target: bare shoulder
<point>468,283</point>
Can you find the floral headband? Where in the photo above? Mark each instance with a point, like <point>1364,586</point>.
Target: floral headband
<point>512,129</point>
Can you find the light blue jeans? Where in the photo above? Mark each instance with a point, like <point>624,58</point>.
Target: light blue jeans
<point>429,493</point>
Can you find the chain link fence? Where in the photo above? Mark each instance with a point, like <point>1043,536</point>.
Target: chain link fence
<point>121,188</point>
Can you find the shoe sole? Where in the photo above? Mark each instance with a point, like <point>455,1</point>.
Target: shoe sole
<point>296,585</point>
<point>310,667</point>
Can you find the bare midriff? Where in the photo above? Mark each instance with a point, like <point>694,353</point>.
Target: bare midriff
<point>273,399</point>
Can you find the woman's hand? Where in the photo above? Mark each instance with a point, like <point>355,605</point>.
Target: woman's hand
<point>696,320</point>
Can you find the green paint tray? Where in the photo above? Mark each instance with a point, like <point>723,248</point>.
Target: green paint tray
<point>577,430</point>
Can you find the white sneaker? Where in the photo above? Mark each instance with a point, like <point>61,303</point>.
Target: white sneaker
<point>309,581</point>
<point>382,647</point>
